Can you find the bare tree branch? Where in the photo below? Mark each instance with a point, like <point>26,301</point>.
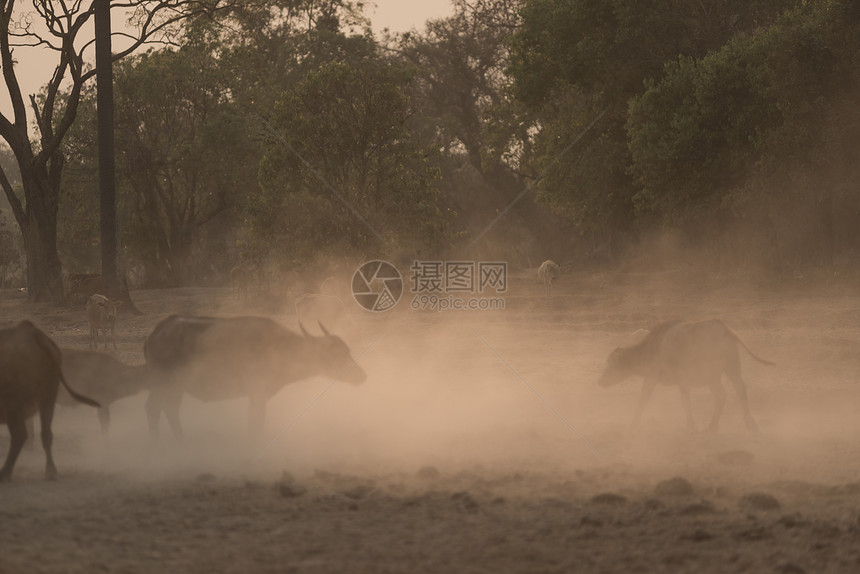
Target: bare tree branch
<point>14,201</point>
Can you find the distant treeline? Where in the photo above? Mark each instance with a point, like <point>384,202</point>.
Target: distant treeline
<point>288,132</point>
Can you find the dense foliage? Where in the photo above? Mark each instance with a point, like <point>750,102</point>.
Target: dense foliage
<point>291,133</point>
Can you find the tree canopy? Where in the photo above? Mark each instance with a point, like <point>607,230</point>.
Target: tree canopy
<point>290,132</point>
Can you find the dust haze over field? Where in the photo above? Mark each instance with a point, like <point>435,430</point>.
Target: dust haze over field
<point>480,441</point>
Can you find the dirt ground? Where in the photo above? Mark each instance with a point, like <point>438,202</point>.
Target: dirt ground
<point>479,443</point>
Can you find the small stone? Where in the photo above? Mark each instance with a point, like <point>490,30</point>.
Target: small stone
<point>756,533</point>
<point>758,501</point>
<point>702,507</point>
<point>358,492</point>
<point>791,521</point>
<point>291,490</point>
<point>589,520</point>
<point>555,504</point>
<point>428,472</point>
<point>609,498</point>
<point>789,568</point>
<point>466,501</point>
<point>677,486</point>
<point>698,535</point>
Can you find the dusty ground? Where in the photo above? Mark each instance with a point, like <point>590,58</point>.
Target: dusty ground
<point>479,443</point>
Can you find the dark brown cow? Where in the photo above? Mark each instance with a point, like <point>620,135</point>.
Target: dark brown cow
<point>214,359</point>
<point>102,377</point>
<point>30,375</point>
<point>686,355</point>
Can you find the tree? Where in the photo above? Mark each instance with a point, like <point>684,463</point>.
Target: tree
<point>460,63</point>
<point>341,169</point>
<point>59,27</point>
<point>185,153</point>
<point>572,61</point>
<point>760,130</point>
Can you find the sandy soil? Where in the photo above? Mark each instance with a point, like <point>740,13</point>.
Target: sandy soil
<point>479,443</point>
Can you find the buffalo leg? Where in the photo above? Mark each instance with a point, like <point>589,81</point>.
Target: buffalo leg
<point>733,371</point>
<point>18,436</point>
<point>172,401</point>
<point>719,393</point>
<point>104,418</point>
<point>741,390</point>
<point>154,404</point>
<point>688,407</point>
<point>647,388</point>
<point>31,434</point>
<point>46,416</point>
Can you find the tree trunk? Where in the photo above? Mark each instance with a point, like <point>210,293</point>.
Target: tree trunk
<point>39,230</point>
<point>44,272</point>
<point>114,285</point>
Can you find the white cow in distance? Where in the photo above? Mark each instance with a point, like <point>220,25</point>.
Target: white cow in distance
<point>101,316</point>
<point>548,271</point>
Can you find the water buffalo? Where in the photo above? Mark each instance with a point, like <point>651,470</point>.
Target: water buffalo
<point>319,308</point>
<point>685,354</point>
<point>30,376</point>
<point>215,359</point>
<point>102,377</point>
<point>548,271</point>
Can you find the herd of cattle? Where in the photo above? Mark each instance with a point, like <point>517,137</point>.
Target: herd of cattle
<point>208,358</point>
<point>213,359</point>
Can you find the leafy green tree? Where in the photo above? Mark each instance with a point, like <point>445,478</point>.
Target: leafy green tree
<point>574,61</point>
<point>341,169</point>
<point>62,28</point>
<point>460,63</point>
<point>759,128</point>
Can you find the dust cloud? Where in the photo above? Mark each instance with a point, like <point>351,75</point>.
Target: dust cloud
<point>496,414</point>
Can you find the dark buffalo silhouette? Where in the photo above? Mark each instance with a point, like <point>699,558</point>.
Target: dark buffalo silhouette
<point>214,359</point>
<point>30,376</point>
<point>684,354</point>
<point>102,377</point>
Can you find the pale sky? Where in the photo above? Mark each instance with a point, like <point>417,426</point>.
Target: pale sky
<point>402,15</point>
<point>35,66</point>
